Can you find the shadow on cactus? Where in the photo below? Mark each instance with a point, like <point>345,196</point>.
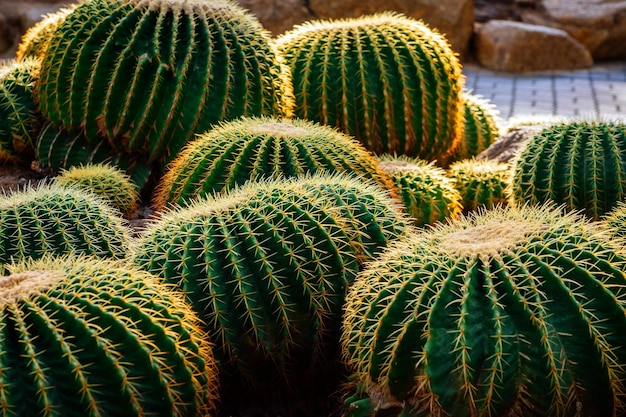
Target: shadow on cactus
<point>148,75</point>
<point>83,336</point>
<point>20,119</point>
<point>427,193</point>
<point>387,79</point>
<point>481,183</point>
<point>266,266</point>
<point>510,311</point>
<point>105,181</point>
<point>55,220</point>
<point>578,163</point>
<point>260,148</point>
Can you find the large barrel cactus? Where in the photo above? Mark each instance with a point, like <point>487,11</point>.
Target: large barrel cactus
<point>509,311</point>
<point>86,337</point>
<point>55,220</point>
<point>579,163</point>
<point>267,266</point>
<point>20,119</point>
<point>149,74</point>
<point>427,194</point>
<point>35,41</point>
<point>261,147</point>
<point>387,79</point>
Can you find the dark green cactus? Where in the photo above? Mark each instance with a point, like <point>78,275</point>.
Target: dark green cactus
<point>481,126</point>
<point>266,266</point>
<point>510,311</point>
<point>20,119</point>
<point>55,220</point>
<point>481,183</point>
<point>578,163</point>
<point>262,147</point>
<point>88,337</point>
<point>427,193</point>
<point>57,150</point>
<point>107,181</point>
<point>34,42</point>
<point>389,80</point>
<point>148,75</point>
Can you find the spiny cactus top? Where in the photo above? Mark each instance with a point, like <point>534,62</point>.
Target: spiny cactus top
<point>481,183</point>
<point>35,40</point>
<point>427,193</point>
<point>87,337</point>
<point>481,126</point>
<point>262,147</point>
<point>389,80</point>
<point>266,266</point>
<point>104,180</point>
<point>149,74</point>
<point>20,119</point>
<point>510,311</point>
<point>578,163</point>
<point>57,220</point>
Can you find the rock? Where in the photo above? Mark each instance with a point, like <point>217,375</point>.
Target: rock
<point>504,45</point>
<point>600,25</point>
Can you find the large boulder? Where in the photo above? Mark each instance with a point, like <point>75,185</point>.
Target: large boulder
<point>600,25</point>
<point>504,45</point>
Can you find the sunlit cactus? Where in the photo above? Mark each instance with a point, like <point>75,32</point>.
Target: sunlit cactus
<point>387,79</point>
<point>20,119</point>
<point>261,148</point>
<point>481,183</point>
<point>428,195</point>
<point>104,180</point>
<point>481,125</point>
<point>88,337</point>
<point>578,163</point>
<point>149,74</point>
<point>509,311</point>
<point>55,220</point>
<point>35,40</point>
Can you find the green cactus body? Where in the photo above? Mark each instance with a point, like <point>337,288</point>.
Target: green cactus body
<point>581,164</point>
<point>149,74</point>
<point>20,119</point>
<point>256,148</point>
<point>510,311</point>
<point>104,180</point>
<point>427,193</point>
<point>389,80</point>
<point>35,41</point>
<point>267,266</point>
<point>55,220</point>
<point>481,126</point>
<point>481,183</point>
<point>88,337</point>
<point>57,150</point>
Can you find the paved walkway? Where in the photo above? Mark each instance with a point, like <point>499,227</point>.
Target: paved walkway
<point>599,91</point>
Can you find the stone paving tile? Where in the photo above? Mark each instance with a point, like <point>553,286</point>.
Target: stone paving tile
<point>599,91</point>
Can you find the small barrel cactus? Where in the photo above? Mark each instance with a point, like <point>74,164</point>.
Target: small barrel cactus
<point>20,119</point>
<point>509,311</point>
<point>578,163</point>
<point>55,220</point>
<point>262,147</point>
<point>266,267</point>
<point>387,79</point>
<point>57,150</point>
<point>149,74</point>
<point>104,180</point>
<point>428,195</point>
<point>87,337</point>
<point>35,41</point>
<point>481,183</point>
<point>481,126</point>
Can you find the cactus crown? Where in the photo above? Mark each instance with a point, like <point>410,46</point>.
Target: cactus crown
<point>389,80</point>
